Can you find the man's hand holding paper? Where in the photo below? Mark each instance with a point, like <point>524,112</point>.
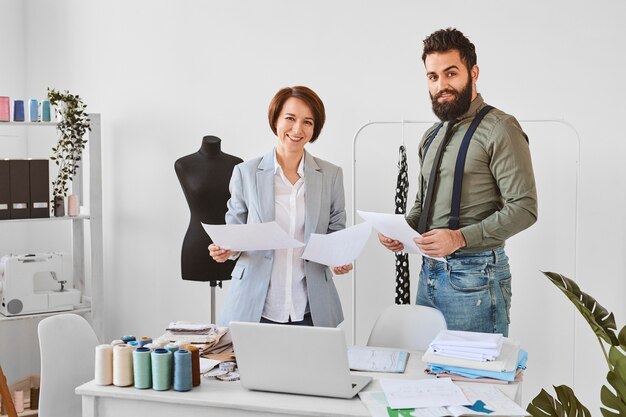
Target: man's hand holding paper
<point>395,227</point>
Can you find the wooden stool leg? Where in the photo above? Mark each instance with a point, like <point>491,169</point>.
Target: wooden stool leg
<point>6,395</point>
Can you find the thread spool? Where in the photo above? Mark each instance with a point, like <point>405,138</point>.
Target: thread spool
<point>183,345</point>
<point>5,109</point>
<point>34,398</point>
<point>128,338</point>
<point>104,365</point>
<point>45,111</point>
<point>161,369</point>
<point>18,110</point>
<point>117,342</point>
<point>151,346</point>
<point>134,344</point>
<point>195,365</point>
<point>34,110</point>
<point>182,370</point>
<point>144,341</point>
<point>172,347</point>
<point>123,365</point>
<point>142,366</point>
<point>18,400</point>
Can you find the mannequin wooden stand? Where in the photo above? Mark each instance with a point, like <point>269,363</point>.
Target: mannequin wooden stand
<point>6,395</point>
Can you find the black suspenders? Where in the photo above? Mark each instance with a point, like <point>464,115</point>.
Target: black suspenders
<point>455,206</point>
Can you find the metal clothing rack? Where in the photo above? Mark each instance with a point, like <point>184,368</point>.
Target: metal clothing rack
<point>430,122</point>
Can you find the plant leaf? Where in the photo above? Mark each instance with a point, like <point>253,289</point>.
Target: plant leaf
<point>601,321</point>
<point>566,405</point>
<point>622,338</point>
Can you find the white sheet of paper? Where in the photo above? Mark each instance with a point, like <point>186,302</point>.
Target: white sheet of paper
<point>338,248</point>
<point>245,237</point>
<point>395,227</point>
<point>377,404</point>
<point>403,393</point>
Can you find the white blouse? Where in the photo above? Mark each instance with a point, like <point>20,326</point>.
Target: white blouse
<point>287,293</point>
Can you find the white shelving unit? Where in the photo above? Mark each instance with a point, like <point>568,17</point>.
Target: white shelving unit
<point>94,303</point>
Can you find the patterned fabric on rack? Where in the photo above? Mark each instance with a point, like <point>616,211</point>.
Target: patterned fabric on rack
<point>402,259</point>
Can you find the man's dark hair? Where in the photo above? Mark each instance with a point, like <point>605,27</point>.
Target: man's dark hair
<point>445,40</point>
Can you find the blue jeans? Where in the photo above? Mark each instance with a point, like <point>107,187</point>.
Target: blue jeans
<point>473,291</point>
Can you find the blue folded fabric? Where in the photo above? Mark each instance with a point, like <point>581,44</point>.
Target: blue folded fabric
<point>522,357</point>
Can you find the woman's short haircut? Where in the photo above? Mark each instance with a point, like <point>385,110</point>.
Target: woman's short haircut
<point>305,94</point>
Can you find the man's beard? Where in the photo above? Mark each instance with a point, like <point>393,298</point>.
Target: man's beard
<point>453,109</point>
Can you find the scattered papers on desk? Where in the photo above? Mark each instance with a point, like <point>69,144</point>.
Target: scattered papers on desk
<point>395,227</point>
<point>506,361</point>
<point>467,345</point>
<point>338,248</point>
<point>247,237</point>
<point>407,393</point>
<point>501,405</point>
<point>376,360</point>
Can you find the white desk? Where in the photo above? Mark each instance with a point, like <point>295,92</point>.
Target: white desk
<point>227,399</point>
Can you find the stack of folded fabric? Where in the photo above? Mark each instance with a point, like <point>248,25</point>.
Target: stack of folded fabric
<point>480,357</point>
<point>209,338</point>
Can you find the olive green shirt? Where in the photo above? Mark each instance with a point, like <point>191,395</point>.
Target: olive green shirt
<point>498,197</point>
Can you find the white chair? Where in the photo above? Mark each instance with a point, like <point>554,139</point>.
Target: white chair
<point>408,327</point>
<point>67,345</point>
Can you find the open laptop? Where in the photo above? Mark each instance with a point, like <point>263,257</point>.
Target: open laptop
<point>294,359</point>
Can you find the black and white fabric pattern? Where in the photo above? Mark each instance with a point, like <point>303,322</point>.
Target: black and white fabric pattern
<point>402,259</point>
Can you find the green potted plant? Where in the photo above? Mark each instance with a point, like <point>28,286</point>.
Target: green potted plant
<point>603,325</point>
<point>73,124</point>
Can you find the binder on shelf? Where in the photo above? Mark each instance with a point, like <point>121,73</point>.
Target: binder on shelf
<point>5,190</point>
<point>39,188</point>
<point>19,173</point>
<point>5,114</point>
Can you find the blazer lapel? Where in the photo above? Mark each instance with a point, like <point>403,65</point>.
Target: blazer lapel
<point>313,195</point>
<point>265,188</point>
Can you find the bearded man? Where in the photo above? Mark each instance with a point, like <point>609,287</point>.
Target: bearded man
<point>477,189</point>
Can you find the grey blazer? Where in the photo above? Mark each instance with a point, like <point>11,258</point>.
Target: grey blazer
<point>252,201</point>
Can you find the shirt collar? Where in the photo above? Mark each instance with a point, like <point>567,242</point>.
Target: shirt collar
<point>475,106</point>
<point>277,167</point>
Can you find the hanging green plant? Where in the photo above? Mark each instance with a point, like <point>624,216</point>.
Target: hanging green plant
<point>72,127</point>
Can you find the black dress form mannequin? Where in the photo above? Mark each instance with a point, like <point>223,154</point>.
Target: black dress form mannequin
<point>204,177</point>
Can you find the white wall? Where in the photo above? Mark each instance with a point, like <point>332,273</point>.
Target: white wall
<point>164,74</point>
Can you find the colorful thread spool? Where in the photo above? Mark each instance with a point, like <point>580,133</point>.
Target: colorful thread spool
<point>182,370</point>
<point>128,338</point>
<point>195,365</point>
<point>161,369</point>
<point>142,366</point>
<point>104,365</point>
<point>18,110</point>
<point>45,111</point>
<point>144,341</point>
<point>123,365</point>
<point>34,110</point>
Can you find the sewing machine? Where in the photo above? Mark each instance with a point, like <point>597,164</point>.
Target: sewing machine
<point>36,283</point>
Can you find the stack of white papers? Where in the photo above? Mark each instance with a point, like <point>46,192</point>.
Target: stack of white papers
<point>468,345</point>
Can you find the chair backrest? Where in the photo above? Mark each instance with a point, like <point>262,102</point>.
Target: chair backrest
<point>67,345</point>
<point>408,327</point>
